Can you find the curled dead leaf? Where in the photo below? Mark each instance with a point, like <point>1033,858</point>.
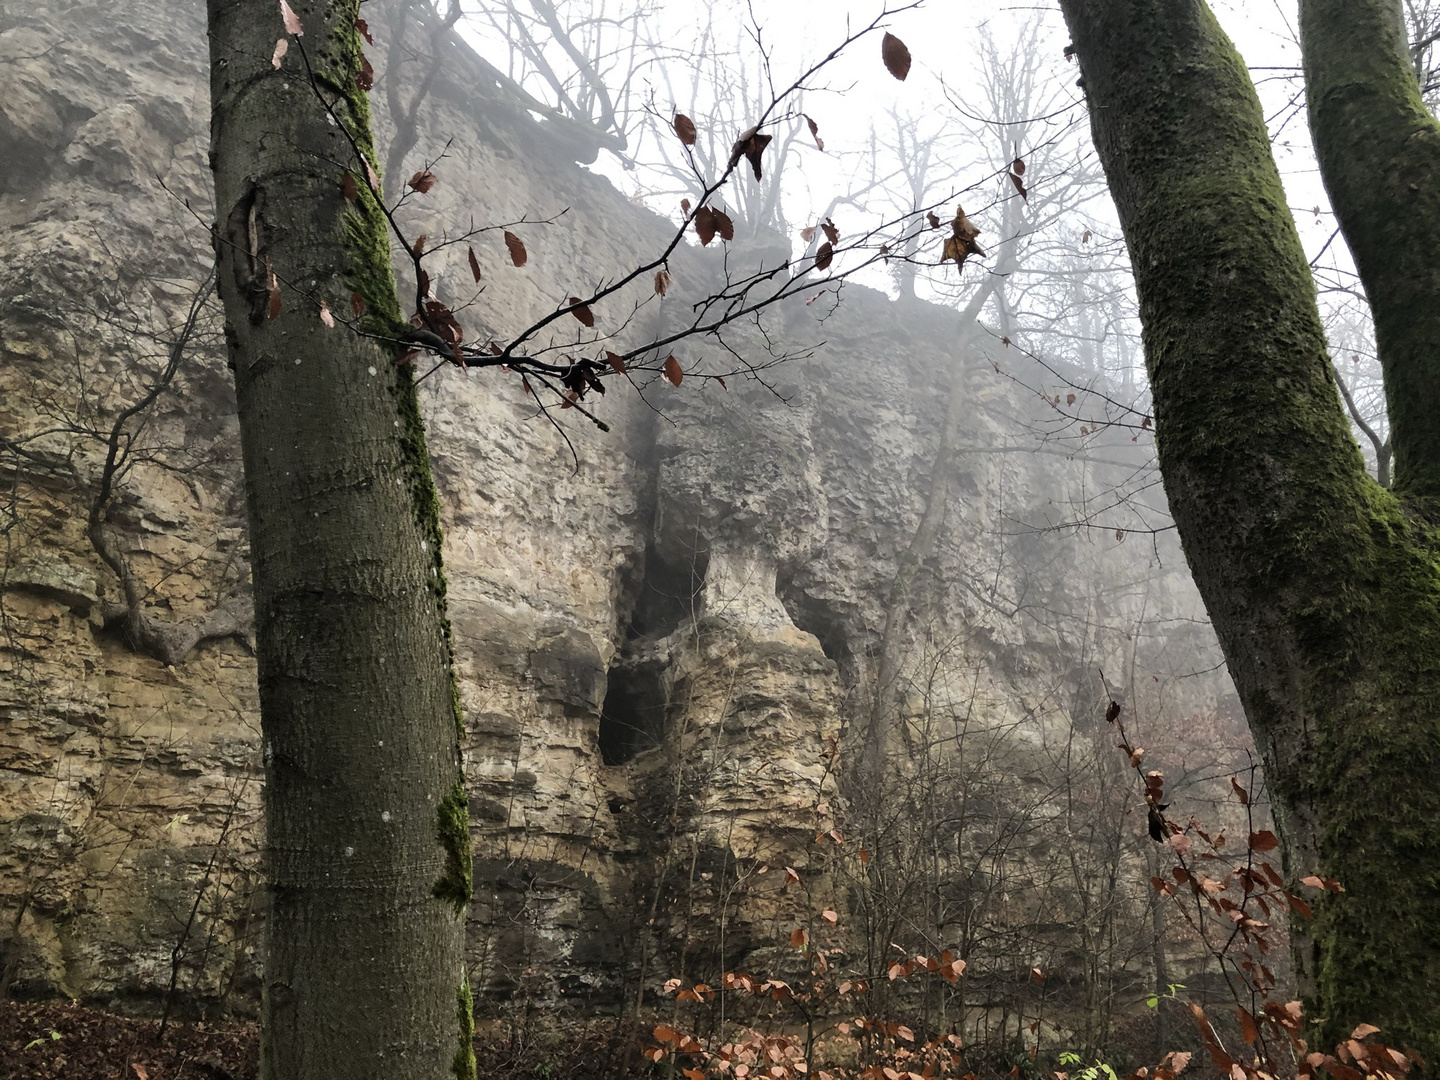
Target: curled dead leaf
<point>365,74</point>
<point>474,266</point>
<point>325,317</point>
<point>281,48</point>
<point>672,370</point>
<point>815,133</point>
<point>422,181</point>
<point>662,282</point>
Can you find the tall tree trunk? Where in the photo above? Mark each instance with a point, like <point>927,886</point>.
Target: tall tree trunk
<point>1324,588</point>
<point>367,838</point>
<point>1379,152</point>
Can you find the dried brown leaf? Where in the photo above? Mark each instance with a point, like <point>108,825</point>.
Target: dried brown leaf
<point>616,361</point>
<point>281,48</point>
<point>422,181</point>
<point>325,316</point>
<point>896,56</point>
<point>672,370</point>
<point>815,133</point>
<point>516,246</point>
<point>685,129</point>
<point>662,282</point>
<point>582,311</point>
<point>474,266</point>
<point>365,75</point>
<point>364,28</point>
<point>824,256</point>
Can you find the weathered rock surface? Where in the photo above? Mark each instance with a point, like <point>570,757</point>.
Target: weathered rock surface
<point>667,635</point>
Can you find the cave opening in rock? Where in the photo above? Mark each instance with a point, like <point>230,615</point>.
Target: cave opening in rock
<point>669,594</point>
<point>633,716</point>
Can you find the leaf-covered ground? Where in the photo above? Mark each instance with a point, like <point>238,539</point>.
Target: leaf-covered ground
<point>62,1041</point>
<point>93,1044</point>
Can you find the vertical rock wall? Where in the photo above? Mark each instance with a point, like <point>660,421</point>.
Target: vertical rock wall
<point>667,635</point>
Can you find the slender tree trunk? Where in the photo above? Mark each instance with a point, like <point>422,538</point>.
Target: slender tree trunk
<point>1379,152</point>
<point>367,840</point>
<point>1324,588</point>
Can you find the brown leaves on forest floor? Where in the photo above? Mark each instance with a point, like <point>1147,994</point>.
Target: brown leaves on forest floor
<point>51,1040</point>
<point>97,1045</point>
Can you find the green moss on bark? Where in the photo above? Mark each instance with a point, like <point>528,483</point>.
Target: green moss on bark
<point>463,1066</point>
<point>453,830</point>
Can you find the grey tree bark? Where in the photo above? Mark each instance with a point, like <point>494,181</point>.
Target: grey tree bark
<point>367,853</point>
<point>1323,587</point>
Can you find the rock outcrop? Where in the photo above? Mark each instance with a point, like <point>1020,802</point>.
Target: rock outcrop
<point>668,636</point>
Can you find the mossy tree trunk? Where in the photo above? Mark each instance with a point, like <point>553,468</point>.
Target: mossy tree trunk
<point>1323,587</point>
<point>367,850</point>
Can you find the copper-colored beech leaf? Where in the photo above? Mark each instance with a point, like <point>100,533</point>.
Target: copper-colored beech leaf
<point>831,232</point>
<point>518,255</point>
<point>1178,1060</point>
<point>347,187</point>
<point>273,287</point>
<point>864,856</point>
<point>830,915</point>
<point>1036,975</point>
<point>1240,792</point>
<point>666,1034</point>
<point>662,282</point>
<point>903,1032</point>
<point>291,20</point>
<point>365,76</point>
<point>1019,186</point>
<point>1364,1031</point>
<point>896,56</point>
<point>672,370</point>
<point>422,181</point>
<point>721,380</point>
<point>474,266</point>
<point>808,233</point>
<point>325,316</point>
<point>934,219</point>
<point>1069,399</point>
<point>582,311</point>
<point>140,1071</point>
<point>1248,1031</point>
<point>685,206</point>
<point>357,304</point>
<point>418,248</point>
<point>824,256</point>
<point>371,175</point>
<point>1300,907</point>
<point>705,225</point>
<point>1264,840</point>
<point>798,937</point>
<point>1180,842</point>
<point>815,133</point>
<point>685,129</point>
<point>525,383</point>
<point>364,28</point>
<point>423,280</point>
<point>616,361</point>
<point>791,876</point>
<point>723,225</point>
<point>1313,881</point>
<point>1018,166</point>
<point>281,48</point>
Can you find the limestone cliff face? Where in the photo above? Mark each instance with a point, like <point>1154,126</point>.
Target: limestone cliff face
<point>668,635</point>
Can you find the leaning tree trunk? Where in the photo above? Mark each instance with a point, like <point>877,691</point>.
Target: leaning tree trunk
<point>1323,588</point>
<point>367,850</point>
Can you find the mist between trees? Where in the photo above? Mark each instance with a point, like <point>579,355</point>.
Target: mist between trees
<point>830,692</point>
